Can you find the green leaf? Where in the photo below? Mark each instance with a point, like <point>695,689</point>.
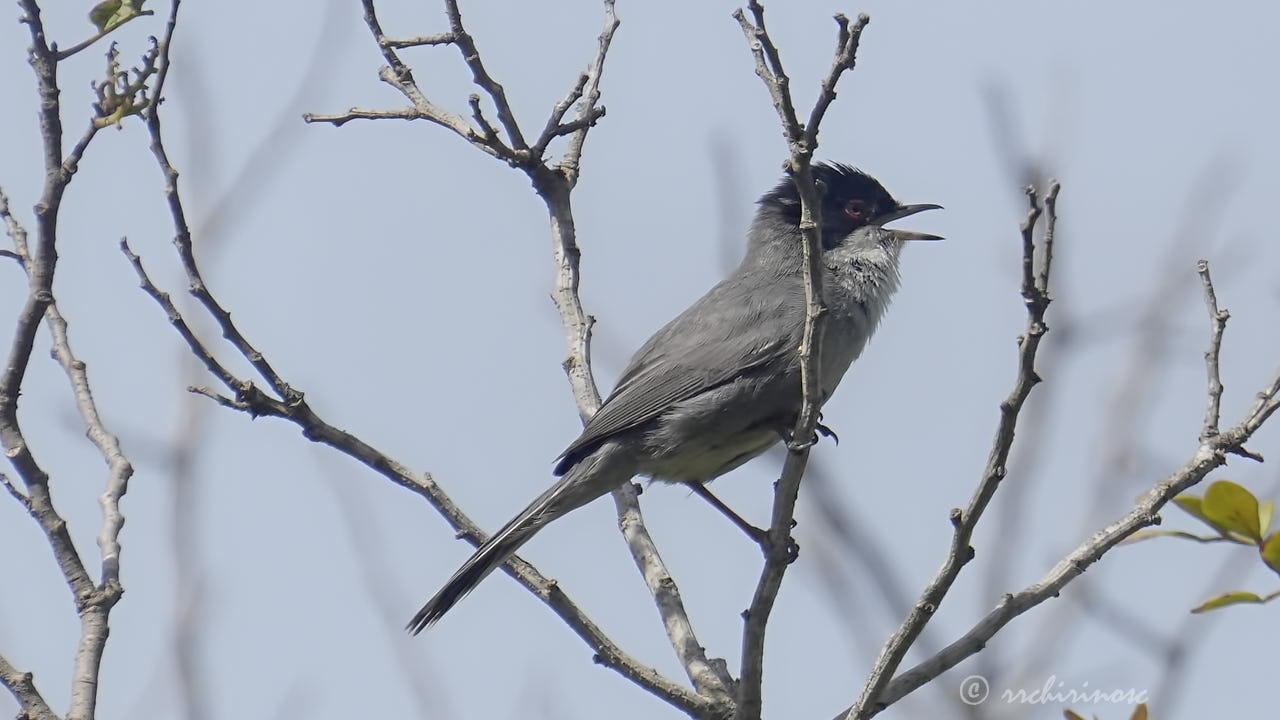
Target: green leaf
<point>1190,503</point>
<point>1235,598</point>
<point>1271,552</point>
<point>102,13</point>
<point>1234,508</point>
<point>1193,505</point>
<point>1139,713</point>
<point>109,14</point>
<point>1071,715</point>
<point>1266,511</point>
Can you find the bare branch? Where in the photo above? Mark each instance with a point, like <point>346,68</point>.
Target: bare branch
<point>1210,455</point>
<point>801,143</point>
<point>554,128</point>
<point>471,56</point>
<point>223,400</point>
<point>361,114</point>
<point>401,43</point>
<point>490,134</point>
<point>846,57</point>
<point>709,677</point>
<point>182,238</point>
<point>769,68</point>
<point>13,490</point>
<point>23,687</point>
<point>175,318</point>
<point>398,75</point>
<point>15,231</point>
<point>590,105</point>
<point>482,134</point>
<point>120,468</point>
<point>1267,402</point>
<point>1218,323</point>
<point>1035,293</point>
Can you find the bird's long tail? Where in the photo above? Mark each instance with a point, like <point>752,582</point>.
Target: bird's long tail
<point>586,481</point>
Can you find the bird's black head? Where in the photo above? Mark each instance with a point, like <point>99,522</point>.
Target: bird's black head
<point>851,199</point>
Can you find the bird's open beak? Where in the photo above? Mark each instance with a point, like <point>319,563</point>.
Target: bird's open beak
<point>904,211</point>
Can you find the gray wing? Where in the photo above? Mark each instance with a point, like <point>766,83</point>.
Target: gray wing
<point>715,340</point>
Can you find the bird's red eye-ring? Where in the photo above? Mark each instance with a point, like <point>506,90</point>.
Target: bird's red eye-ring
<point>856,209</point>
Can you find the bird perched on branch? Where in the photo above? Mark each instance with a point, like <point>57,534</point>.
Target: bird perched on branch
<point>720,383</point>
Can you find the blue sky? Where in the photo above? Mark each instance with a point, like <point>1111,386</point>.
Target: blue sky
<point>401,279</point>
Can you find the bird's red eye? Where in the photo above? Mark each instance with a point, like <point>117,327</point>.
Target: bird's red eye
<point>856,209</point>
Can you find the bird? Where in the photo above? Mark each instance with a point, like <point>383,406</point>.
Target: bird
<point>721,383</point>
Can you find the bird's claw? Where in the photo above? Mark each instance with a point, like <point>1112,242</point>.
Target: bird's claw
<point>793,550</point>
<point>825,431</point>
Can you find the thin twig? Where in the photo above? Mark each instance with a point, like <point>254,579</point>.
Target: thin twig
<point>361,114</point>
<point>202,353</point>
<point>555,126</point>
<point>845,58</point>
<point>15,231</point>
<point>769,68</point>
<point>1218,323</point>
<point>801,143</point>
<point>182,238</point>
<point>1035,294</point>
<point>590,106</point>
<point>401,43</point>
<point>13,490</point>
<point>398,75</point>
<point>480,76</point>
<point>120,470</point>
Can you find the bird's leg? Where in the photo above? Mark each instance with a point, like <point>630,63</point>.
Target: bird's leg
<point>760,536</point>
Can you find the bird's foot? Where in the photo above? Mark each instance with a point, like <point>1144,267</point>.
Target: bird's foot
<point>820,431</point>
<point>791,549</point>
